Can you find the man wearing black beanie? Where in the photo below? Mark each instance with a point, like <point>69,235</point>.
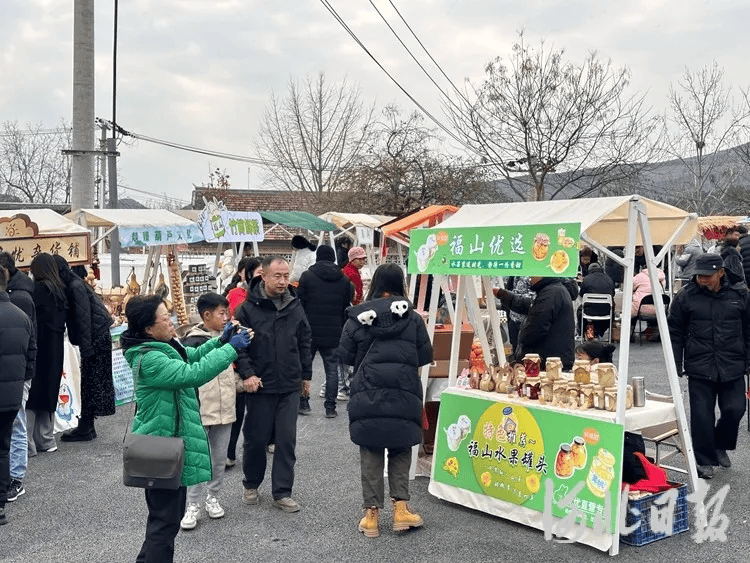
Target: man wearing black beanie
<point>325,293</point>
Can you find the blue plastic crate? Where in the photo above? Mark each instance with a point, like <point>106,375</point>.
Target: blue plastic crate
<point>644,534</point>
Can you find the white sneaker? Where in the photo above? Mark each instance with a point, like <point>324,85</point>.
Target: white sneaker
<point>322,394</point>
<point>192,513</point>
<point>213,508</point>
<point>342,396</point>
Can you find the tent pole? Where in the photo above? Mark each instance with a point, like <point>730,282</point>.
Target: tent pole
<point>661,318</point>
<point>497,338</point>
<point>457,326</point>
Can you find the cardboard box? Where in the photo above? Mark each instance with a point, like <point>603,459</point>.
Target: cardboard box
<point>441,345</point>
<point>439,368</point>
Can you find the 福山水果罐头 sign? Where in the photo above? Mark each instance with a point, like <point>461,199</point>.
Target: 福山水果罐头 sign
<point>517,250</point>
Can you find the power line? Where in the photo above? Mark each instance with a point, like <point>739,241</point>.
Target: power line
<point>341,21</point>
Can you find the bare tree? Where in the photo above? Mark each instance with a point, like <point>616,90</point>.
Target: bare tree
<point>309,137</point>
<point>32,165</point>
<point>538,117</point>
<point>706,122</point>
<point>403,169</point>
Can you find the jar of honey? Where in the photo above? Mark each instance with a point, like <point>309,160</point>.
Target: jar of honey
<point>601,473</point>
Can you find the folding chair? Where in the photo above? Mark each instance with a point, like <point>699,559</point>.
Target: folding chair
<point>598,299</point>
<point>641,316</point>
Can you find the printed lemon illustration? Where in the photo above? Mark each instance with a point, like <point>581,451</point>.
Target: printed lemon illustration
<point>510,454</point>
<point>533,483</point>
<point>486,478</point>
<point>451,466</point>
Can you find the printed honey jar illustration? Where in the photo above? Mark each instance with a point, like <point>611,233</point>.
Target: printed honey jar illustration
<point>601,473</point>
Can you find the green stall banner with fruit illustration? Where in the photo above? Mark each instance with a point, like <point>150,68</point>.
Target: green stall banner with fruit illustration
<point>508,452</point>
<point>523,250</point>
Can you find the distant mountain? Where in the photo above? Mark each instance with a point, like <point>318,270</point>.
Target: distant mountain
<point>669,181</point>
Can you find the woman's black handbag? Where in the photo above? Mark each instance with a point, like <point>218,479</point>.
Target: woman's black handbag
<point>153,462</point>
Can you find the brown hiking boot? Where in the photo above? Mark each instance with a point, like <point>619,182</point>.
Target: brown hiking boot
<point>368,525</point>
<point>403,517</point>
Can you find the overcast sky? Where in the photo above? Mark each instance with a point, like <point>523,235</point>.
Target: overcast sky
<point>200,72</point>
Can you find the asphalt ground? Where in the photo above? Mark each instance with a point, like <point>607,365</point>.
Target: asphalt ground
<point>76,509</point>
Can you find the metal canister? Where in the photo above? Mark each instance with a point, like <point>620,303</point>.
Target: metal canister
<point>639,392</point>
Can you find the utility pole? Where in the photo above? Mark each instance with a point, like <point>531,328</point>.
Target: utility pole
<point>82,153</point>
<point>114,239</point>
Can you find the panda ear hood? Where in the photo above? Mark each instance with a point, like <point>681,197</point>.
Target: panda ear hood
<point>382,313</point>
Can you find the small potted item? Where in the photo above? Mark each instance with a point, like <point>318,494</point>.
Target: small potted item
<point>581,372</point>
<point>599,397</point>
<point>531,387</point>
<point>554,369</point>
<point>519,377</point>
<point>560,393</point>
<point>586,396</point>
<point>486,383</point>
<point>532,364</point>
<point>545,390</point>
<point>607,374</point>
<point>573,391</point>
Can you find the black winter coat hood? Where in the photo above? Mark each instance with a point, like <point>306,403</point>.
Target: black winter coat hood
<point>386,341</point>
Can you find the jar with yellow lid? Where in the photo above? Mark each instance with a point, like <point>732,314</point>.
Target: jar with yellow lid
<point>601,473</point>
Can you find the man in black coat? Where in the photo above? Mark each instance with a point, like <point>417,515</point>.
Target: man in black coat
<point>549,327</point>
<point>709,325</point>
<point>275,368</point>
<point>325,293</point>
<point>21,292</point>
<point>731,256</point>
<point>744,247</point>
<point>597,282</point>
<point>17,355</point>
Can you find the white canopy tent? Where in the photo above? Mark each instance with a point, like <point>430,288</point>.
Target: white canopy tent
<point>614,221</point>
<point>356,226</point>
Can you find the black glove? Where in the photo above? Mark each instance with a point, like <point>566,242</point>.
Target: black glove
<point>241,340</point>
<point>229,330</point>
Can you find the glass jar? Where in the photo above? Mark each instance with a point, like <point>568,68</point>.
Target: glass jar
<point>578,449</point>
<point>564,464</point>
<point>532,364</point>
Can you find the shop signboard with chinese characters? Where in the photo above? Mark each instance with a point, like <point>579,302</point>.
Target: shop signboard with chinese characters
<point>218,224</point>
<point>512,453</point>
<point>20,237</point>
<point>156,236</point>
<point>525,250</point>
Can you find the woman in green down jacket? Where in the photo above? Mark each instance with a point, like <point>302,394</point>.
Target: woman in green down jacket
<point>165,375</point>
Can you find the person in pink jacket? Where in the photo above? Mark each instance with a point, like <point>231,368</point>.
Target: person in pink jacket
<point>641,288</point>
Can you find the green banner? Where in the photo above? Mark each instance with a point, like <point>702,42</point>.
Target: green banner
<point>524,250</point>
<point>508,452</point>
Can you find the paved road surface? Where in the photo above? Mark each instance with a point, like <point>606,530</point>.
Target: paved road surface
<point>76,509</point>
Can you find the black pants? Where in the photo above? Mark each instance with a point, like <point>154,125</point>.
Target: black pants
<point>239,410</point>
<point>331,368</point>
<point>270,415</point>
<point>6,430</point>
<point>165,509</point>
<point>707,434</point>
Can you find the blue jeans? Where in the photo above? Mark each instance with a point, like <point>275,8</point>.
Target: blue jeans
<point>19,444</point>
<point>331,368</point>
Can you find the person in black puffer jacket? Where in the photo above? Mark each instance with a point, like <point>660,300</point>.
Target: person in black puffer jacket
<point>599,283</point>
<point>325,293</point>
<point>16,356</point>
<point>21,291</point>
<point>386,342</point>
<point>88,323</point>
<point>709,326</point>
<point>744,248</point>
<point>275,368</point>
<point>549,328</point>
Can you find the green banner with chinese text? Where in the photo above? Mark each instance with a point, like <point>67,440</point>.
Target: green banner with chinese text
<point>523,250</point>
